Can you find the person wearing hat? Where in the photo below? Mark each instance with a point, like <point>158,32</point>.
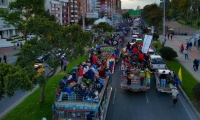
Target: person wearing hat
<point>174,95</point>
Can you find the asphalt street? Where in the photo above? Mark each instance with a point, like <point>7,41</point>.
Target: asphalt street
<point>150,105</point>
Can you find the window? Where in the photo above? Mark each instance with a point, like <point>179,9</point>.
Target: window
<point>2,1</point>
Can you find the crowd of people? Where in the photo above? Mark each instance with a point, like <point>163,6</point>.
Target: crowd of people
<point>137,64</point>
<point>85,81</point>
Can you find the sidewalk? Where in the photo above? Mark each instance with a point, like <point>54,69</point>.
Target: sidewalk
<point>175,43</point>
<point>10,53</point>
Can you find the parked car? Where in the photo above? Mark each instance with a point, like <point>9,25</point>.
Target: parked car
<point>39,67</point>
<point>156,62</point>
<point>43,57</point>
<point>151,52</point>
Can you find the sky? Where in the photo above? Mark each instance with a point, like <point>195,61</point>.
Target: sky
<point>132,4</point>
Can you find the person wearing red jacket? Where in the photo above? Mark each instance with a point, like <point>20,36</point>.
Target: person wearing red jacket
<point>182,48</point>
<point>141,57</point>
<point>135,51</point>
<point>94,59</point>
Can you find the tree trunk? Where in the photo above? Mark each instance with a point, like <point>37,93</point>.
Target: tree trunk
<point>42,95</point>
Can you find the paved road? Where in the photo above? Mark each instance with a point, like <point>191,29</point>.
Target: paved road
<point>151,105</point>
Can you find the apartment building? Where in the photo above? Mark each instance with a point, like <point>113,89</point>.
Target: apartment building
<point>6,31</point>
<point>65,11</point>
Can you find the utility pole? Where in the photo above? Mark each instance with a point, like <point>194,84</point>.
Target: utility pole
<point>74,10</point>
<point>191,13</point>
<point>164,20</point>
<point>83,14</point>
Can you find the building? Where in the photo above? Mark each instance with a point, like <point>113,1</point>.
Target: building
<point>6,31</point>
<point>65,11</point>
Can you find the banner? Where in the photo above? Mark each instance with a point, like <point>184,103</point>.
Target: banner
<point>146,43</point>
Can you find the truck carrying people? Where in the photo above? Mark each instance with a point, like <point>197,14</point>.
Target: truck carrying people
<point>84,93</point>
<point>166,80</point>
<point>135,73</point>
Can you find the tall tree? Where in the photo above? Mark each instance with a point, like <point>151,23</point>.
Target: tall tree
<point>152,14</point>
<point>103,26</point>
<point>125,15</point>
<point>14,78</point>
<point>19,11</point>
<point>71,40</point>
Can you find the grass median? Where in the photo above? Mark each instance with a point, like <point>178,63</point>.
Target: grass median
<point>31,108</point>
<point>188,82</point>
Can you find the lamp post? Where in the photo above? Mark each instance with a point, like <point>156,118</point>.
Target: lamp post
<point>83,14</point>
<point>164,21</point>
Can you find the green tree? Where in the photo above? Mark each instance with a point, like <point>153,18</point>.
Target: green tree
<point>14,78</point>
<point>19,12</point>
<point>71,40</point>
<point>103,26</point>
<point>125,15</point>
<point>152,14</point>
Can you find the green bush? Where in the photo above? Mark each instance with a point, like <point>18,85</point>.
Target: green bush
<point>14,35</point>
<point>9,39</point>
<point>196,91</point>
<point>13,41</point>
<point>155,36</point>
<point>168,53</point>
<point>21,39</point>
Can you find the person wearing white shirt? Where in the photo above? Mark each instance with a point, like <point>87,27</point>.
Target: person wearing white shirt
<point>175,93</point>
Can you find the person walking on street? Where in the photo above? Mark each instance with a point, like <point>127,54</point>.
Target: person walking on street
<point>195,64</point>
<point>190,46</point>
<point>174,95</point>
<point>181,48</point>
<point>168,36</point>
<point>5,58</point>
<point>64,64</point>
<point>185,52</point>
<point>171,35</point>
<point>61,63</point>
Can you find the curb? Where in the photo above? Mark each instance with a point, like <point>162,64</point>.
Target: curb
<point>184,94</point>
<point>190,103</point>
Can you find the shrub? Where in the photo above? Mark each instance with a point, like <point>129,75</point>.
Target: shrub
<point>155,36</point>
<point>9,39</point>
<point>21,40</point>
<point>14,35</point>
<point>13,41</point>
<point>168,53</point>
<point>196,91</point>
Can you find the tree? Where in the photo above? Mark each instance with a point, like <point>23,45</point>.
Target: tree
<point>125,15</point>
<point>152,14</point>
<point>103,26</point>
<point>19,12</point>
<point>71,40</point>
<point>14,78</point>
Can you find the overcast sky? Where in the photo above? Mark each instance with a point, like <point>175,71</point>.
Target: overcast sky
<point>132,4</point>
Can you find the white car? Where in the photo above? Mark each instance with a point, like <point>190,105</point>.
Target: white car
<point>156,62</point>
<point>151,52</point>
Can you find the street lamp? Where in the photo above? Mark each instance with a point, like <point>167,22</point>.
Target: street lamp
<point>164,20</point>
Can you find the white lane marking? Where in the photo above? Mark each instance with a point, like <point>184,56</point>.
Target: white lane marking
<point>147,97</point>
<point>186,109</point>
<point>114,96</point>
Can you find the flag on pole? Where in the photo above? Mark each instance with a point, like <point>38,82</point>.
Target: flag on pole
<point>180,76</point>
